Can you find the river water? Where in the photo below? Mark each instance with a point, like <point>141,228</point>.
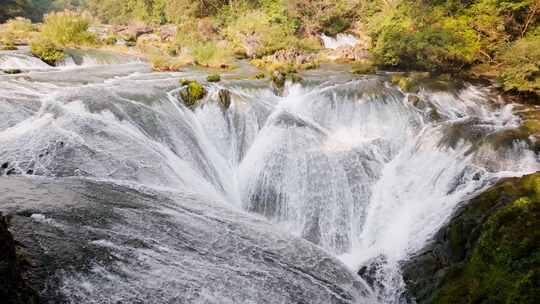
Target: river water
<point>280,198</point>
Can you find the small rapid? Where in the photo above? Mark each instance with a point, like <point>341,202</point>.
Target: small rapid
<point>359,169</point>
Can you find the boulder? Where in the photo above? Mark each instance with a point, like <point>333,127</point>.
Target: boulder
<point>224,98</point>
<point>13,286</point>
<point>168,32</point>
<point>487,253</point>
<point>133,32</point>
<point>251,44</point>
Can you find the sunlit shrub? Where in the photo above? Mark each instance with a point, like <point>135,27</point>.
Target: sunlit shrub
<point>20,24</point>
<point>68,29</point>
<point>521,65</point>
<point>47,51</point>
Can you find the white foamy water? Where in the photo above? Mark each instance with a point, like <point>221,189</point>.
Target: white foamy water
<point>339,41</point>
<point>349,165</point>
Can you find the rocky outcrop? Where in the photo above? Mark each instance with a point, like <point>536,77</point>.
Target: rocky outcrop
<point>347,53</point>
<point>133,32</point>
<point>167,32</point>
<point>13,267</point>
<point>291,56</point>
<point>488,253</point>
<point>224,98</point>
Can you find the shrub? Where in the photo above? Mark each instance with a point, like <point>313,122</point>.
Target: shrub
<point>256,32</point>
<point>110,40</point>
<point>209,54</point>
<point>67,29</point>
<point>427,41</point>
<point>364,67</point>
<point>47,51</point>
<point>20,24</point>
<point>521,66</point>
<point>7,45</point>
<point>193,92</point>
<point>213,78</point>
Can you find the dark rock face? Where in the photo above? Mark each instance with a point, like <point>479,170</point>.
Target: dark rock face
<point>224,98</point>
<point>13,267</point>
<point>488,253</point>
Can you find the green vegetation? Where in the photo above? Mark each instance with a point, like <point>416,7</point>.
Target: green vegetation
<point>47,51</point>
<point>192,93</point>
<point>497,39</point>
<point>504,266</point>
<point>8,46</point>
<point>213,78</point>
<point>68,29</point>
<point>363,67</point>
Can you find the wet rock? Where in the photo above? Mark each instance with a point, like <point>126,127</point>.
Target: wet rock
<point>371,270</point>
<point>224,98</point>
<point>12,171</point>
<point>12,71</point>
<point>486,253</point>
<point>13,268</point>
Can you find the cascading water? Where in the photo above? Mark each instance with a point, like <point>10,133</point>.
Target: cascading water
<point>350,164</point>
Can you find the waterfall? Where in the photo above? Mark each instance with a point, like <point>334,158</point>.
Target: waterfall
<point>339,41</point>
<point>351,164</point>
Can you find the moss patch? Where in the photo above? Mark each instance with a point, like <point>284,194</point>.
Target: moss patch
<point>504,266</point>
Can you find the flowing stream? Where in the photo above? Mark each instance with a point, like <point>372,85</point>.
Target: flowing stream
<point>278,199</point>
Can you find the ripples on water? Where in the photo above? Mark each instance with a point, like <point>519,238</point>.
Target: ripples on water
<point>225,199</point>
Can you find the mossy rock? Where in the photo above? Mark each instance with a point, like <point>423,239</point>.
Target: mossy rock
<point>192,93</point>
<point>488,253</point>
<point>213,78</point>
<point>407,84</point>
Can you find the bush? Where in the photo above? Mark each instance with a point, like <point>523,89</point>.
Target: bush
<point>67,29</point>
<point>192,93</point>
<point>7,45</point>
<point>20,24</point>
<point>427,41</point>
<point>209,54</point>
<point>110,40</point>
<point>47,51</point>
<point>213,78</point>
<point>521,66</point>
<point>256,32</point>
